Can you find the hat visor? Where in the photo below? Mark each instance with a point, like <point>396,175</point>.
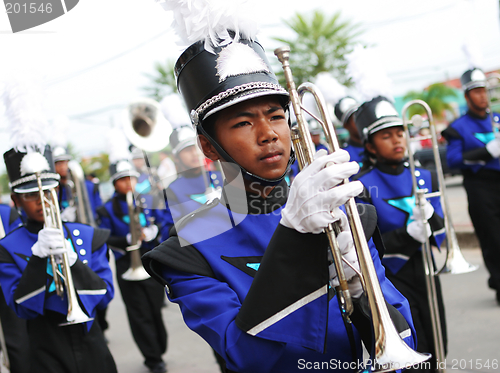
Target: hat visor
<point>32,186</point>
<point>65,157</point>
<point>123,174</point>
<point>391,123</point>
<point>247,95</point>
<point>183,145</point>
<point>472,85</point>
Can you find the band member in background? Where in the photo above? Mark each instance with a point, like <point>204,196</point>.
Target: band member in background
<point>143,298</point>
<point>92,184</point>
<point>474,147</point>
<point>225,263</point>
<point>14,328</point>
<point>61,159</point>
<point>27,279</point>
<point>194,185</point>
<point>388,186</point>
<point>344,111</point>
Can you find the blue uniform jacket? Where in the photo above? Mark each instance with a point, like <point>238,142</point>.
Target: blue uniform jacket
<point>229,271</point>
<point>10,219</point>
<point>27,280</point>
<point>186,194</point>
<point>467,138</point>
<point>94,195</point>
<point>356,152</point>
<point>113,215</point>
<point>391,192</point>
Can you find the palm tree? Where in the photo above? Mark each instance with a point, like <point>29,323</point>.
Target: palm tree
<point>163,83</point>
<point>435,96</point>
<point>319,45</point>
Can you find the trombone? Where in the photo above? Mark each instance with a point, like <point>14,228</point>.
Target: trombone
<point>80,195</point>
<point>493,93</point>
<point>455,263</point>
<point>390,351</point>
<point>63,279</point>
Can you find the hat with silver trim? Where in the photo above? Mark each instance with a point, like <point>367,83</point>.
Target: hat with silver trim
<point>119,156</point>
<point>122,169</point>
<point>224,64</point>
<point>61,154</point>
<point>30,156</point>
<point>473,78</point>
<point>345,108</point>
<point>181,138</point>
<point>376,115</point>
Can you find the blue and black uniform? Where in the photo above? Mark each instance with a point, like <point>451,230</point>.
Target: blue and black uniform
<point>186,194</point>
<point>356,152</point>
<point>232,268</point>
<point>143,299</point>
<point>94,195</point>
<point>390,190</point>
<point>467,138</point>
<point>29,290</point>
<point>14,328</point>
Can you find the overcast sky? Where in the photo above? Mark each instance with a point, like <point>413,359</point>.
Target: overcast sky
<point>92,60</point>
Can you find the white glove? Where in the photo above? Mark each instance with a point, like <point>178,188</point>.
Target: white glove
<point>314,192</point>
<point>347,250</point>
<point>150,232</point>
<point>416,230</point>
<point>69,214</point>
<point>50,242</point>
<point>493,147</point>
<point>428,211</point>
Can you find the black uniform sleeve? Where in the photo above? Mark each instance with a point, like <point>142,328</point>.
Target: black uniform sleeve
<point>474,155</point>
<point>398,241</point>
<point>33,278</point>
<point>100,237</point>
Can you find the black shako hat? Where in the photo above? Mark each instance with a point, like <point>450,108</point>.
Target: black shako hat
<point>210,81</point>
<point>122,168</point>
<point>345,108</point>
<point>181,138</point>
<point>236,72</point>
<point>375,115</point>
<point>22,168</point>
<point>473,78</point>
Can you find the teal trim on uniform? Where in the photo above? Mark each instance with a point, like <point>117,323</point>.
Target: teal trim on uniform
<point>406,204</point>
<point>200,198</point>
<point>143,187</point>
<point>254,266</point>
<point>484,137</point>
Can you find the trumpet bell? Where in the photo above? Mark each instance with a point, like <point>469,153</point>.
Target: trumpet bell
<point>455,262</point>
<point>145,126</point>
<point>135,274</point>
<point>76,316</point>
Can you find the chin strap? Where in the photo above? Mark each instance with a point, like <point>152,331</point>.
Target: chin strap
<point>247,175</point>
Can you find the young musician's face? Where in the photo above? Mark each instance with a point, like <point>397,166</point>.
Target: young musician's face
<point>389,144</point>
<point>256,135</point>
<point>190,157</point>
<point>62,169</point>
<point>125,184</point>
<point>478,97</point>
<point>31,204</point>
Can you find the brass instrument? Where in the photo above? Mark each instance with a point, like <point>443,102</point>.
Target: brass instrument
<point>80,197</point>
<point>61,269</point>
<point>390,351</point>
<point>455,263</point>
<point>3,345</point>
<point>136,271</point>
<point>493,91</point>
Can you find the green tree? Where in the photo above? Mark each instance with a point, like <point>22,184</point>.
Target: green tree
<point>319,45</point>
<point>435,96</point>
<point>162,82</point>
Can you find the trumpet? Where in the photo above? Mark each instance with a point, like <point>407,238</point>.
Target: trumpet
<point>390,351</point>
<point>136,271</point>
<point>63,279</point>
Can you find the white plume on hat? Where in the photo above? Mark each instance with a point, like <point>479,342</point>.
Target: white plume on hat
<point>119,145</point>
<point>369,76</point>
<point>473,54</point>
<point>24,110</point>
<point>330,87</point>
<point>174,110</point>
<point>210,20</point>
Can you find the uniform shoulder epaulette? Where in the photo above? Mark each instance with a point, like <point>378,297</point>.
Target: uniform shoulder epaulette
<point>14,215</point>
<point>100,237</point>
<point>102,211</point>
<point>362,172</point>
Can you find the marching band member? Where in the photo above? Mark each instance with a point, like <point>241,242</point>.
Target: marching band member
<point>344,111</point>
<point>388,186</point>
<point>236,262</point>
<point>143,298</point>
<point>475,149</point>
<point>28,279</point>
<point>61,158</point>
<point>14,328</point>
